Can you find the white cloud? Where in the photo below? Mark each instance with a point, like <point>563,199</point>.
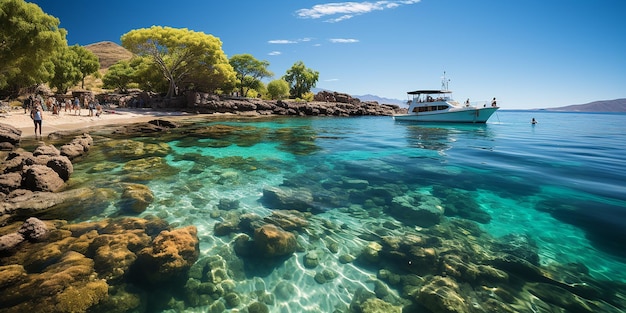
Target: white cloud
<point>275,53</point>
<point>347,10</point>
<point>343,40</point>
<point>332,80</point>
<point>282,41</point>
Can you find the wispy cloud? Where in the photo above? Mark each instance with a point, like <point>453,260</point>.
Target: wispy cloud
<point>343,40</point>
<point>275,53</point>
<point>282,41</point>
<point>332,80</point>
<point>340,11</point>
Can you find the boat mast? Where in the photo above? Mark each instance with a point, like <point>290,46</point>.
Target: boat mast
<point>444,82</point>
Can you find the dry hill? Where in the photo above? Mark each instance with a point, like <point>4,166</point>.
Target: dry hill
<point>109,53</point>
<point>617,105</point>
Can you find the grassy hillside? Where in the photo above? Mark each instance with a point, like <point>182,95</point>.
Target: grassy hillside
<point>108,53</point>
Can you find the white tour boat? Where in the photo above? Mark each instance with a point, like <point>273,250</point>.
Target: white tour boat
<point>438,106</point>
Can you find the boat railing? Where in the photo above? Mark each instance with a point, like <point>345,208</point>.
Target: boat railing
<point>475,104</point>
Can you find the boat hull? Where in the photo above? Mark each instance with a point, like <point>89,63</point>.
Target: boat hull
<point>465,115</point>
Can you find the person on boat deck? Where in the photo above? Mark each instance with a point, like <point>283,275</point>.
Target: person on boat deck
<point>467,102</point>
<point>429,99</point>
<point>493,102</point>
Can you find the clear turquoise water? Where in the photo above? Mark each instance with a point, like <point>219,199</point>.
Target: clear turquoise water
<point>560,181</point>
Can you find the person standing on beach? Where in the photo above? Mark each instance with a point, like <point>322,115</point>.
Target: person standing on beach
<point>37,115</point>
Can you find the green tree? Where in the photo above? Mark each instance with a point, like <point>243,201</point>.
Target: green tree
<point>27,36</point>
<point>181,55</point>
<point>87,62</point>
<point>300,79</point>
<point>66,71</point>
<point>278,89</point>
<point>119,76</point>
<point>249,71</point>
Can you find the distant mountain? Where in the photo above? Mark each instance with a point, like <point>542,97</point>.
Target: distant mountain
<point>617,105</point>
<point>380,100</point>
<point>109,53</point>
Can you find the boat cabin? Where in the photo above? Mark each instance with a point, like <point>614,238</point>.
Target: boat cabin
<point>430,100</point>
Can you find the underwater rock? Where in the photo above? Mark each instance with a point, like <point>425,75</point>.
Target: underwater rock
<point>147,169</point>
<point>258,307</point>
<point>273,241</point>
<point>375,305</point>
<point>311,259</point>
<point>288,219</point>
<point>442,294</point>
<point>416,209</point>
<point>288,199</point>
<point>460,203</point>
<point>326,275</point>
<point>225,228</point>
<point>68,284</point>
<point>228,204</point>
<point>115,253</point>
<point>521,246</point>
<point>136,198</point>
<point>170,255</point>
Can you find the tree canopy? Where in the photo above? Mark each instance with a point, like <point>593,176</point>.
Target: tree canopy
<point>249,71</point>
<point>87,62</point>
<point>278,89</point>
<point>66,72</point>
<point>301,79</point>
<point>183,57</point>
<point>28,39</point>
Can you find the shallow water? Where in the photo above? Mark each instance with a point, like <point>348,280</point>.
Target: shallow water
<point>560,182</point>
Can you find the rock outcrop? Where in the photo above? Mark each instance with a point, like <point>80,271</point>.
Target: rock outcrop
<point>335,104</point>
<point>9,137</point>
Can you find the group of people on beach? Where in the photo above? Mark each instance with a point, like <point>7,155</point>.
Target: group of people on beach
<point>37,106</point>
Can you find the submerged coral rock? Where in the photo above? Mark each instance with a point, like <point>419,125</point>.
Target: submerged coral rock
<point>442,294</point>
<point>171,254</point>
<point>136,198</point>
<point>272,241</point>
<point>416,209</point>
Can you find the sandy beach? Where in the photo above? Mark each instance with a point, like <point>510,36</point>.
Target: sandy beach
<point>69,121</point>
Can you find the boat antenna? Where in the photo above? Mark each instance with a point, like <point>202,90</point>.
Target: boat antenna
<point>444,82</point>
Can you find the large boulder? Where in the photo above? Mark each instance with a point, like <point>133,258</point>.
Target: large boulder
<point>9,137</point>
<point>41,178</point>
<point>77,147</point>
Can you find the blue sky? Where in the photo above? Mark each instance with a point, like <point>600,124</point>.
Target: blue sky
<point>528,54</point>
